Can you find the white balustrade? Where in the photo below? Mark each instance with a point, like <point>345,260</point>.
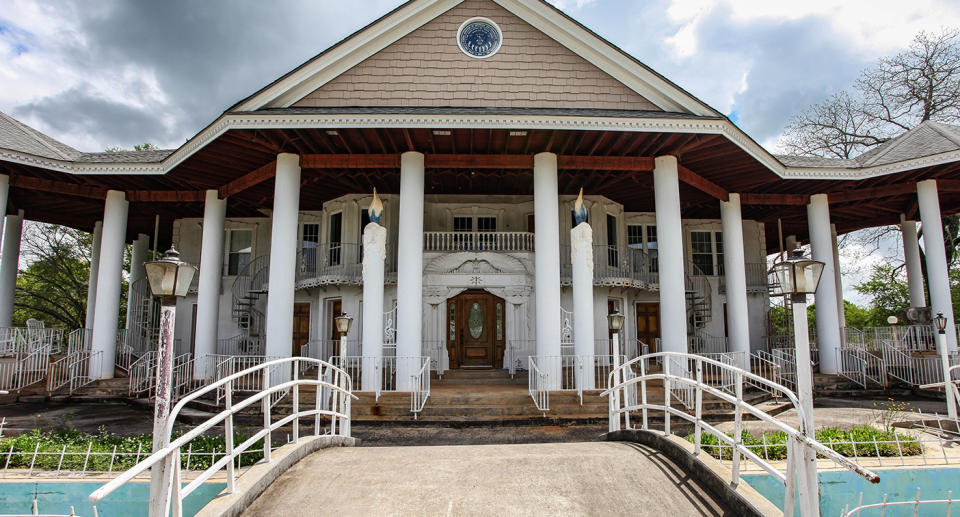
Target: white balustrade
<point>478,241</point>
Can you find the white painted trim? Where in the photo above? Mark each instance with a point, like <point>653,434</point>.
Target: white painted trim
<point>717,126</point>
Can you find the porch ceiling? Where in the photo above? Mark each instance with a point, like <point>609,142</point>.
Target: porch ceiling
<point>239,164</point>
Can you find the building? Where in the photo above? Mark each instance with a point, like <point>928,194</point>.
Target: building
<point>478,121</point>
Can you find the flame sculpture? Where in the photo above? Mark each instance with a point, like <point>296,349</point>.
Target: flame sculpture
<point>580,211</point>
<point>376,208</point>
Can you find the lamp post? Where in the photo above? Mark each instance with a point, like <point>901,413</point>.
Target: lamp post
<point>343,327</point>
<point>615,322</point>
<point>169,280</point>
<point>798,277</point>
<point>941,324</point>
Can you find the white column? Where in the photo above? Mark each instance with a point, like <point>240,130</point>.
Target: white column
<point>828,321</point>
<point>546,213</point>
<point>94,272</point>
<point>911,256</point>
<point>138,256</point>
<point>374,255</point>
<point>9,264</point>
<point>109,275</point>
<point>841,311</point>
<point>673,301</point>
<point>410,266</point>
<point>283,256</point>
<point>208,288</point>
<point>581,256</point>
<point>938,280</point>
<point>734,268</point>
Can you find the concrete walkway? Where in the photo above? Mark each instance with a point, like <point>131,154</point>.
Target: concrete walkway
<point>601,478</point>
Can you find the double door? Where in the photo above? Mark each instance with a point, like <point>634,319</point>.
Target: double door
<point>476,330</point>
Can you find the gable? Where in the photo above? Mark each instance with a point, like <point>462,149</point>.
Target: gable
<point>427,68</point>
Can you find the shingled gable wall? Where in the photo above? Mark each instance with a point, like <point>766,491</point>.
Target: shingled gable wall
<point>427,68</point>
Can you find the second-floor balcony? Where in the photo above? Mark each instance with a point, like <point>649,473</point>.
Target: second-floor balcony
<point>338,263</point>
<point>504,242</point>
<point>615,266</point>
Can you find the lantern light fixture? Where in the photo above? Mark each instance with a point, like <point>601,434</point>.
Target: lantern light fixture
<point>170,276</point>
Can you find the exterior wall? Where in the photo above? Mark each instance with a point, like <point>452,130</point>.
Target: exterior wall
<point>507,275</point>
<point>427,68</point>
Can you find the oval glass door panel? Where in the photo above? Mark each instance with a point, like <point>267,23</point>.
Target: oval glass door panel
<point>475,320</point>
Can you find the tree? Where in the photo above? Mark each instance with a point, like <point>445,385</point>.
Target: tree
<point>139,147</point>
<point>921,83</point>
<point>52,286</point>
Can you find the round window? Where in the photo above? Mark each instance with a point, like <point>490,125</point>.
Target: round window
<point>479,38</point>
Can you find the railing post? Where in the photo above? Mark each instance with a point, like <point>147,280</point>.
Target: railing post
<point>643,391</point>
<point>296,400</point>
<point>176,502</point>
<point>266,414</point>
<point>666,395</point>
<point>228,436</point>
<point>699,407</point>
<point>737,428</point>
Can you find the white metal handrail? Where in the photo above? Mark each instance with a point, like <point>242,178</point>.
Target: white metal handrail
<point>420,383</point>
<point>538,385</point>
<point>916,504</point>
<point>73,370</point>
<point>340,387</point>
<point>953,374</point>
<point>801,446</point>
<point>27,367</point>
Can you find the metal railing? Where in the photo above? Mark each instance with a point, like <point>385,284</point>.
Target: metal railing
<point>143,374</point>
<point>916,504</point>
<point>801,468</point>
<point>774,370</point>
<point>538,385</point>
<point>703,343</point>
<point>420,383</point>
<point>906,337</point>
<point>757,279</point>
<point>517,352</point>
<point>79,339</point>
<point>73,370</point>
<point>615,266</point>
<point>25,368</point>
<point>337,263</point>
<point>171,489</point>
<point>478,241</point>
<point>953,385</point>
<point>230,365</point>
<point>241,344</point>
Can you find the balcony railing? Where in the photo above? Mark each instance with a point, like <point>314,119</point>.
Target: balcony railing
<point>757,280</point>
<point>337,263</point>
<point>614,266</point>
<point>478,241</point>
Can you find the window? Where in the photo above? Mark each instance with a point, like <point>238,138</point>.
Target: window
<point>719,241</point>
<point>239,249</point>
<point>364,221</point>
<point>310,243</point>
<point>635,236</point>
<point>613,254</point>
<point>335,254</point>
<point>652,252</point>
<point>463,224</point>
<point>486,224</point>
<point>706,251</point>
<point>701,251</point>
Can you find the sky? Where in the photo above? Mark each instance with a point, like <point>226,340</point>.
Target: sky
<point>120,72</point>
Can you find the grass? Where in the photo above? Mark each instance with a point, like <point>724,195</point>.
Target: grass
<point>101,446</point>
<point>838,439</point>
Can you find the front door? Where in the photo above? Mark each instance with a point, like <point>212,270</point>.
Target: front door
<point>648,324</point>
<point>301,327</point>
<point>476,330</point>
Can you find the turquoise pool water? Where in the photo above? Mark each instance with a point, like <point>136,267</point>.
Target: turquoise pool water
<point>57,497</point>
<point>842,488</point>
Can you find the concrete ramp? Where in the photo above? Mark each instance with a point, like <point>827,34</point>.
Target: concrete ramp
<point>598,478</point>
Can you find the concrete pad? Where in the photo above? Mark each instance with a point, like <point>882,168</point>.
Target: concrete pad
<point>605,478</point>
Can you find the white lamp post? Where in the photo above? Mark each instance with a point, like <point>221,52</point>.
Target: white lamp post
<point>343,327</point>
<point>941,324</point>
<point>615,322</point>
<point>798,277</point>
<point>169,279</point>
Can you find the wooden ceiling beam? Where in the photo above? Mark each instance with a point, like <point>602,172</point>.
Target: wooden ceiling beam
<point>896,189</point>
<point>58,187</point>
<point>166,196</point>
<point>248,180</point>
<point>757,198</point>
<point>702,184</point>
<point>475,161</point>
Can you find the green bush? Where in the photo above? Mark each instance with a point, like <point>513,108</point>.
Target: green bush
<point>102,447</point>
<point>838,439</point>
